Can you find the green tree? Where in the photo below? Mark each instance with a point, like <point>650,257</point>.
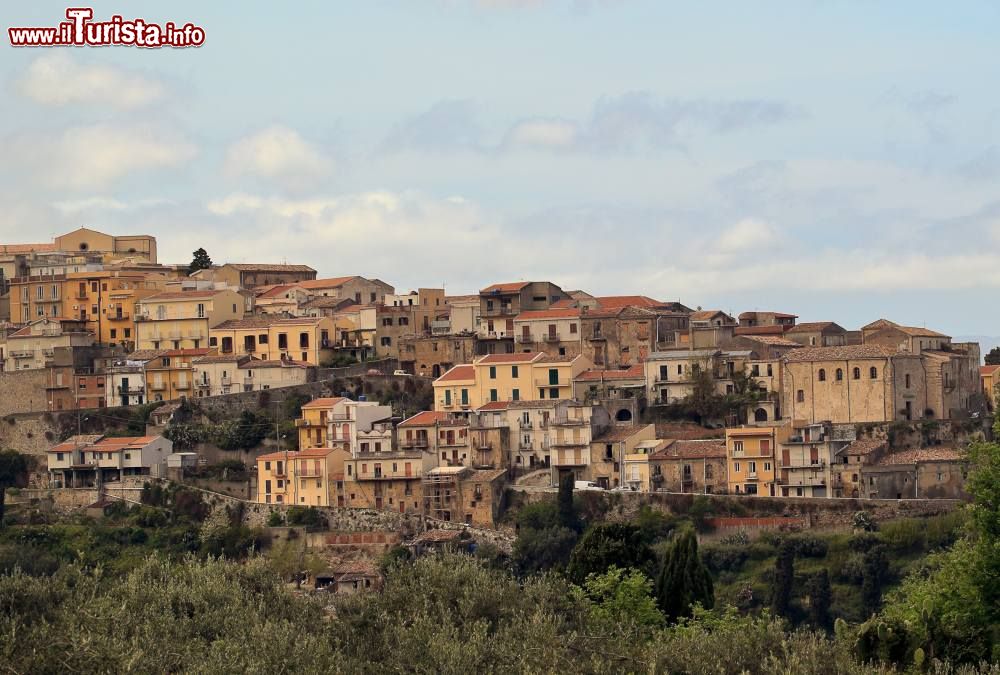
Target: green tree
<point>622,596</point>
<point>784,577</point>
<point>13,473</point>
<point>200,261</point>
<point>703,401</point>
<point>610,545</point>
<point>243,433</point>
<point>993,357</point>
<point>568,516</point>
<point>541,550</point>
<point>874,574</point>
<point>684,580</point>
<point>820,597</point>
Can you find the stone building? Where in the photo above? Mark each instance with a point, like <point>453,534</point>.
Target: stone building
<point>500,303</point>
<point>925,473</point>
<point>818,334</point>
<point>620,337</point>
<point>252,275</point>
<point>697,466</point>
<point>431,356</point>
<point>846,470</point>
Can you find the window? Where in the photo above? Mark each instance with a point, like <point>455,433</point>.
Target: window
<point>554,392</point>
<point>213,342</point>
<point>736,467</point>
<point>403,321</point>
<point>493,394</point>
<point>114,334</point>
<point>767,466</point>
<point>839,375</point>
<point>465,397</point>
<point>737,446</point>
<point>856,373</point>
<point>515,394</point>
<point>873,373</point>
<point>493,372</point>
<point>385,341</point>
<point>513,371</point>
<point>907,380</point>
<point>822,374</point>
<point>752,467</point>
<point>387,321</point>
<point>800,396</point>
<point>755,370</point>
<point>572,328</point>
<point>282,341</point>
<point>770,372</point>
<point>201,311</point>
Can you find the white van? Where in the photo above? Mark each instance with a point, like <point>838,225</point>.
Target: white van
<point>586,485</point>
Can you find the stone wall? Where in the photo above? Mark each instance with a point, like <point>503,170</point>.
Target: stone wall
<point>28,433</point>
<point>23,391</point>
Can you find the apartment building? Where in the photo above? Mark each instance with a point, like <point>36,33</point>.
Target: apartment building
<point>126,378</point>
<point>337,422</point>
<point>751,459</point>
<point>610,447</point>
<point>446,437</point>
<point>989,380</point>
<point>808,457</point>
<point>92,460</point>
<point>386,476</point>
<point>637,464</point>
<point>507,377</point>
<point>181,320</point>
<point>555,332</point>
<point>38,344</point>
<point>818,334</point>
<point>499,304</point>
<point>464,313</point>
<point>252,275</point>
<point>217,374</point>
<point>171,374</point>
<point>846,469</point>
<point>919,473</point>
<point>708,329</point>
<point>461,494</point>
<point>619,337</point>
<point>304,339</point>
<point>305,477</point>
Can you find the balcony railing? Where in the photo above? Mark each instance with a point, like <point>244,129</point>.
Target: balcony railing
<point>805,464</point>
<point>125,391</point>
<point>22,354</point>
<point>124,316</point>
<point>524,339</point>
<point>545,382</point>
<point>804,481</point>
<point>568,422</point>
<point>551,337</point>
<point>158,386</point>
<point>526,424</point>
<point>414,443</point>
<point>183,385</point>
<point>203,384</point>
<point>388,454</point>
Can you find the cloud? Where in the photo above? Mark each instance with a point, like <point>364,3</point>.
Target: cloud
<point>56,79</point>
<point>95,156</point>
<point>641,121</point>
<point>747,234</point>
<point>447,125</point>
<point>277,152</point>
<point>542,133</point>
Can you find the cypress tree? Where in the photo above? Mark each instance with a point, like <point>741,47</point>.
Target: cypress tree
<point>784,576</point>
<point>820,597</point>
<point>683,579</point>
<point>567,511</point>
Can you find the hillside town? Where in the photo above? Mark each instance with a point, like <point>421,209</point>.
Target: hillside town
<point>527,382</point>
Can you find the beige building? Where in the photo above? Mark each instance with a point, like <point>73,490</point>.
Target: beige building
<point>499,304</point>
<point>555,332</point>
<point>817,334</point>
<point>807,460</point>
<point>638,465</point>
<point>181,320</point>
<point>925,473</point>
<point>989,380</point>
<point>750,451</point>
<point>85,461</point>
<point>696,466</point>
<point>846,470</point>
<point>507,377</point>
<point>460,494</point>
<point>252,275</point>
<point>609,448</point>
<point>304,478</point>
<point>464,312</point>
<point>304,339</point>
<point>36,345</point>
<point>170,375</point>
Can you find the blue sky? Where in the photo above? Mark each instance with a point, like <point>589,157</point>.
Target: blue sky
<point>838,160</point>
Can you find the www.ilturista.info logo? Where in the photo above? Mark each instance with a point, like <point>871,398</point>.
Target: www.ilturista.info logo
<point>81,31</point>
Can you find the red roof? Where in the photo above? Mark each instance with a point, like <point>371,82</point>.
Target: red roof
<point>493,405</point>
<point>462,372</point>
<point>551,313</point>
<point>512,287</point>
<point>633,373</point>
<point>180,295</point>
<point>424,418</point>
<point>987,370</point>
<point>332,282</point>
<point>613,301</point>
<point>327,402</point>
<point>26,248</point>
<point>525,357</point>
<point>202,351</point>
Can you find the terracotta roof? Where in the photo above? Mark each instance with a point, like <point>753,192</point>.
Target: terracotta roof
<point>635,372</point>
<point>687,431</point>
<point>180,295</point>
<point>265,267</point>
<point>424,418</point>
<point>627,311</point>
<point>26,248</point>
<point>864,446</point>
<point>125,440</point>
<point>325,402</point>
<point>878,324</point>
<point>916,455</point>
<point>987,370</point>
<point>915,331</point>
<point>323,301</point>
<point>203,351</point>
<point>612,301</point>
<point>615,434</point>
<point>511,287</point>
<point>221,358</point>
<point>813,326</point>
<point>551,313</point>
<point>706,314</point>
<point>555,358</point>
<point>493,405</point>
<point>76,442</point>
<point>266,321</point>
<point>274,291</point>
<point>144,354</point>
<point>509,358</point>
<point>691,450</point>
<point>332,282</point>
<point>274,363</point>
<point>485,475</point>
<point>462,372</point>
<point>777,315</point>
<point>838,353</point>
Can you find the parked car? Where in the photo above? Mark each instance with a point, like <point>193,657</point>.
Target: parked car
<point>400,373</point>
<point>586,485</point>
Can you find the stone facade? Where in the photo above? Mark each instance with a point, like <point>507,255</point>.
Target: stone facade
<point>433,356</point>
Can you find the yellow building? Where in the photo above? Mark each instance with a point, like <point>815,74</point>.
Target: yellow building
<point>750,453</point>
<point>106,301</point>
<point>306,477</point>
<point>638,467</point>
<point>171,375</point>
<point>339,422</point>
<point>609,449</point>
<point>989,378</point>
<point>305,339</point>
<point>532,376</point>
<point>181,320</point>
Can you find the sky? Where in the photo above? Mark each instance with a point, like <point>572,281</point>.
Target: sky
<point>834,159</point>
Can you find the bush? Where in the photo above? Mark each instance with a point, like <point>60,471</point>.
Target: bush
<point>808,546</point>
<point>305,515</point>
<point>724,558</point>
<point>275,519</point>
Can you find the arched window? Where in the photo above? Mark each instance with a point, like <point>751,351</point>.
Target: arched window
<point>822,374</point>
<point>760,415</point>
<point>873,373</point>
<point>839,375</point>
<point>857,374</point>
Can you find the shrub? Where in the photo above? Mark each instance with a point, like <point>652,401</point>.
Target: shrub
<point>724,558</point>
<point>275,519</point>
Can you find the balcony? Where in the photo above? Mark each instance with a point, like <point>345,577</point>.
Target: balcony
<point>414,443</point>
<point>142,317</point>
<point>183,385</point>
<point>124,316</point>
<point>484,446</point>
<point>22,354</point>
<point>805,464</point>
<point>310,473</point>
<point>388,455</point>
<point>49,352</point>
<point>804,481</point>
<point>546,382</point>
<point>129,390</point>
<point>526,424</point>
<point>203,384</point>
<point>226,381</point>
<point>569,458</point>
<point>524,339</point>
<point>454,443</point>
<point>158,386</point>
<point>551,337</point>
<point>596,337</point>
<point>568,422</point>
<point>303,422</point>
